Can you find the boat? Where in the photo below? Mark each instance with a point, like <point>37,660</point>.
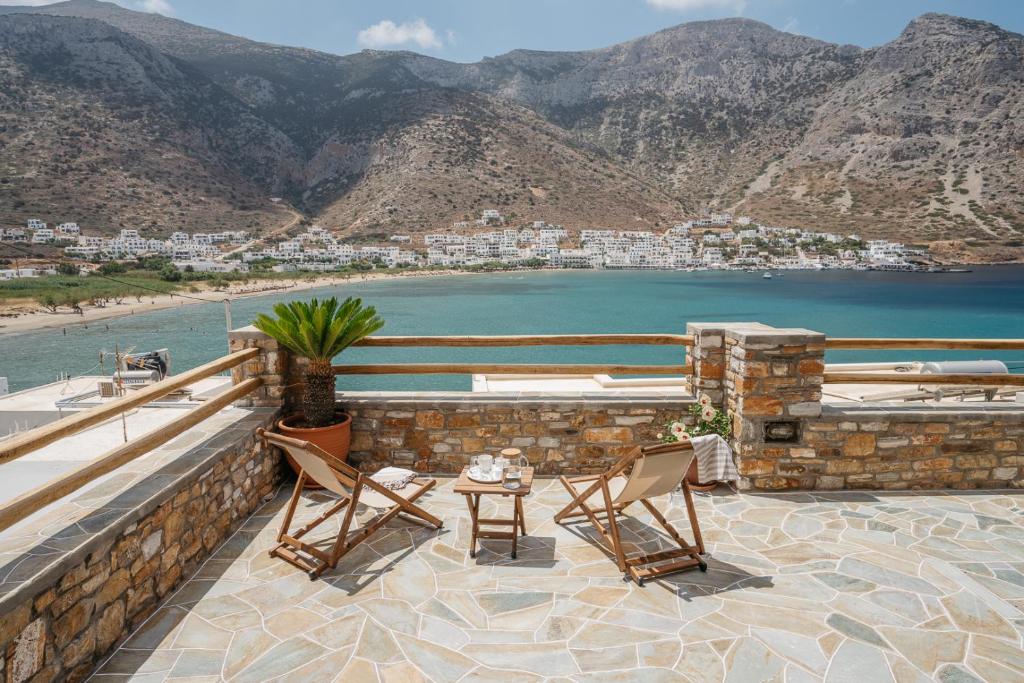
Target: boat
<point>767,276</point>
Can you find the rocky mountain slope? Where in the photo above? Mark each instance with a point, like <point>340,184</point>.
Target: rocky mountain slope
<point>915,139</point>
<point>99,126</point>
<point>926,137</point>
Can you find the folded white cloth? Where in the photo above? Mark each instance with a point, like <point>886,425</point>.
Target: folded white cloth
<point>393,478</point>
<point>714,459</point>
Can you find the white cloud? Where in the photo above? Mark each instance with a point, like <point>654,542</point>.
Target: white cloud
<point>154,6</point>
<point>792,25</point>
<point>693,5</point>
<point>387,33</point>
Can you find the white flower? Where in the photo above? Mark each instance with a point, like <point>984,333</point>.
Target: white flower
<point>704,400</point>
<point>678,430</point>
<point>707,414</point>
<point>660,436</point>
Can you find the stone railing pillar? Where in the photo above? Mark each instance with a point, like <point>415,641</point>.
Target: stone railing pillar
<point>273,365</point>
<point>708,358</point>
<point>772,386</point>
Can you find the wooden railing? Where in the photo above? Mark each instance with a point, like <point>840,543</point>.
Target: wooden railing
<point>870,343</point>
<point>536,340</point>
<point>17,446</point>
<point>680,340</point>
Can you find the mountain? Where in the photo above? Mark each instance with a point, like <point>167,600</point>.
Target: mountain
<point>926,137</point>
<point>98,126</point>
<point>916,139</point>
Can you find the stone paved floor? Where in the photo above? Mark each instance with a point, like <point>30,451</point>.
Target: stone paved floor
<point>836,587</point>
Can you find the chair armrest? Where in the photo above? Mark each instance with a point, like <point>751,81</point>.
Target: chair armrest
<point>589,477</point>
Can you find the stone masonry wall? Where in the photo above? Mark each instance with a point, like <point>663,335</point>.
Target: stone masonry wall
<point>922,448</point>
<point>437,435</point>
<point>772,380</point>
<point>68,619</point>
<point>767,379</point>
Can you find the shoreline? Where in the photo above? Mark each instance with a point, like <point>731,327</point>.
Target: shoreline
<point>26,321</point>
<point>26,318</point>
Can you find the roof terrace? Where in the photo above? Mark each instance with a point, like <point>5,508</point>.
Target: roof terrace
<point>801,587</point>
<point>862,541</point>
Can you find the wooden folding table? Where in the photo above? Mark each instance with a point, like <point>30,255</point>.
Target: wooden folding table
<point>472,490</point>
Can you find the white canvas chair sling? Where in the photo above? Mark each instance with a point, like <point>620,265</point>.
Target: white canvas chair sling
<point>353,487</point>
<point>656,470</point>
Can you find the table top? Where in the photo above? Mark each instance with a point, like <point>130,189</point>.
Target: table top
<point>467,485</point>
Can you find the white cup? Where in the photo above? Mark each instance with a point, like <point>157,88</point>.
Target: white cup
<point>485,461</point>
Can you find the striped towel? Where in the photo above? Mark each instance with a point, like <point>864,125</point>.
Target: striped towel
<point>714,459</point>
<point>394,478</point>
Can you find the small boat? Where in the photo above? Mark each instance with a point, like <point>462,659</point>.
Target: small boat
<point>767,276</point>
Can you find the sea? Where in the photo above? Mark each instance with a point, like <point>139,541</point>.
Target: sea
<point>985,303</point>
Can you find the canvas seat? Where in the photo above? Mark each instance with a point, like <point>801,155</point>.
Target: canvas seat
<point>652,471</point>
<point>353,488</point>
<point>596,499</point>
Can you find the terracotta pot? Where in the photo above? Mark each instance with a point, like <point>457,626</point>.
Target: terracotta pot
<point>333,438</point>
<point>695,484</point>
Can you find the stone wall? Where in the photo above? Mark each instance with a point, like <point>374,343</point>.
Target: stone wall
<point>272,364</point>
<point>920,447</point>
<point>59,624</point>
<point>438,434</point>
<point>772,386</point>
<point>786,438</point>
<point>769,381</point>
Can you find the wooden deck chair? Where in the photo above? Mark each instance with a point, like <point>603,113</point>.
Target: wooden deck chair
<point>656,470</point>
<point>354,488</point>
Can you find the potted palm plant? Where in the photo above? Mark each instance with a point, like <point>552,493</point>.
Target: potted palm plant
<point>319,331</point>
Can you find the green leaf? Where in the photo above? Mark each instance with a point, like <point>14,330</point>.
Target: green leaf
<point>320,330</point>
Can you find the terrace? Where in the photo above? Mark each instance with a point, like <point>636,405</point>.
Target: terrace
<point>801,587</point>
<point>150,561</point>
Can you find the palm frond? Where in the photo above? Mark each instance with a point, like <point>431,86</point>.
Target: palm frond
<point>320,330</point>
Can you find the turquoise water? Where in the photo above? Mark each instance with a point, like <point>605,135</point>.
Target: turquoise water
<point>988,302</point>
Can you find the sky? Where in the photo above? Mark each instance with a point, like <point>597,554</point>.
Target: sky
<point>468,30</point>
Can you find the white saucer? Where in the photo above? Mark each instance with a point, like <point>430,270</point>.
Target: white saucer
<point>476,475</point>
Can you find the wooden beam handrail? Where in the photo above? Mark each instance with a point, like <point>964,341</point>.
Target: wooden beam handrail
<point>532,340</point>
<point>34,439</point>
<point>908,378</point>
<point>923,343</point>
<point>508,369</point>
<point>17,509</point>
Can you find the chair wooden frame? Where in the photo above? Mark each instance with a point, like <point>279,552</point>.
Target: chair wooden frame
<point>313,560</point>
<point>636,567</point>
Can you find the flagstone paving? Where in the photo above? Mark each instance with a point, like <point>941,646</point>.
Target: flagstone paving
<point>801,587</point>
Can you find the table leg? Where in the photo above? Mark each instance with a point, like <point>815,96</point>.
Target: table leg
<point>474,509</point>
<point>522,515</point>
<point>515,526</point>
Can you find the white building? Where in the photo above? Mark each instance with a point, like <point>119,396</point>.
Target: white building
<point>202,266</point>
<point>43,236</point>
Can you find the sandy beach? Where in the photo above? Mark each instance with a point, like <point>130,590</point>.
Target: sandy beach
<point>29,317</point>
